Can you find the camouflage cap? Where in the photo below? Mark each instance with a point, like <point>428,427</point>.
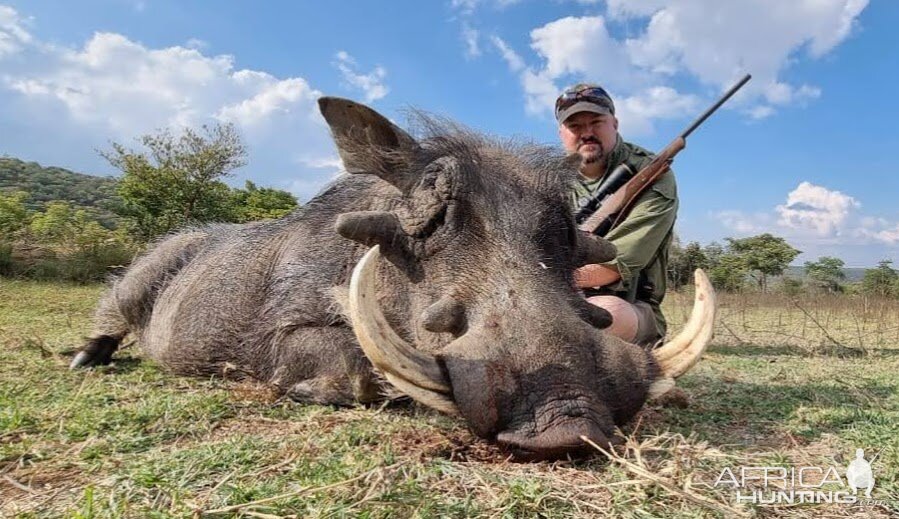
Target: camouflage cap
<point>583,97</point>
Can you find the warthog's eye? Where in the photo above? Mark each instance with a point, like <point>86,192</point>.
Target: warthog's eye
<point>427,206</point>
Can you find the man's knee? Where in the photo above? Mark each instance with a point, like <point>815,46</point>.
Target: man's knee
<point>624,318</point>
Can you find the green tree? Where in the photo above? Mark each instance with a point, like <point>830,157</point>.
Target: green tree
<point>729,272</point>
<point>764,255</point>
<point>62,226</point>
<point>881,281</point>
<point>713,253</point>
<point>683,261</point>
<point>56,225</point>
<point>255,203</point>
<point>178,181</point>
<point>826,273</point>
<point>13,214</point>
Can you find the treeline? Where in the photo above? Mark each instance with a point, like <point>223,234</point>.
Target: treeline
<point>57,224</point>
<point>96,195</point>
<point>96,224</point>
<point>751,263</point>
<point>51,184</point>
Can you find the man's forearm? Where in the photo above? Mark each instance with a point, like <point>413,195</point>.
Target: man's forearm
<point>595,275</point>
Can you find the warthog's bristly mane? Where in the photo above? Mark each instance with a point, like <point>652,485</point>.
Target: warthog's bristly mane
<point>541,167</point>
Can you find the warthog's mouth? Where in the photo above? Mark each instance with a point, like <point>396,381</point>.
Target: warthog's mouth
<point>426,379</point>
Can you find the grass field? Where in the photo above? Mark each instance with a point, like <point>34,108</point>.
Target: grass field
<point>785,384</point>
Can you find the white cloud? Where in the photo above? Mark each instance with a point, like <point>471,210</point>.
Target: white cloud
<point>468,7</point>
<point>566,46</point>
<point>516,64</point>
<point>870,222</point>
<point>761,111</point>
<point>717,41</point>
<point>328,162</point>
<point>814,215</point>
<point>816,208</point>
<point>884,232</point>
<point>13,35</point>
<point>636,112</point>
<point>196,43</point>
<point>470,36</point>
<point>634,8</point>
<point>371,84</point>
<point>583,47</point>
<point>540,91</point>
<point>741,222</point>
<point>115,88</point>
<point>120,86</point>
<point>709,41</point>
<point>274,97</point>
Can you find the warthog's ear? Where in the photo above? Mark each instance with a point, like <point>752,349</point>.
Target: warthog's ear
<point>368,142</point>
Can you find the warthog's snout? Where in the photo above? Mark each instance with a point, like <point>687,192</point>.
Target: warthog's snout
<point>536,387</point>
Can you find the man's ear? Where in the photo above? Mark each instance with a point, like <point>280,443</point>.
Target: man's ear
<point>368,142</point>
<point>615,122</point>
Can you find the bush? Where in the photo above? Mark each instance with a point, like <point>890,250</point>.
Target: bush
<point>87,265</point>
<point>792,287</point>
<point>65,243</point>
<point>83,266</point>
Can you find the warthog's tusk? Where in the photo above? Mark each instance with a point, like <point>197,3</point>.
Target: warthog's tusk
<point>685,349</point>
<point>415,373</point>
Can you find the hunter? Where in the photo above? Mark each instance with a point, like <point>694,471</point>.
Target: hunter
<point>630,287</point>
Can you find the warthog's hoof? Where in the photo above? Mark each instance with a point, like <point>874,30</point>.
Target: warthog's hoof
<point>97,352</point>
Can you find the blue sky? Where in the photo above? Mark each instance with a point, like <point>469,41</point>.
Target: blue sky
<point>804,152</point>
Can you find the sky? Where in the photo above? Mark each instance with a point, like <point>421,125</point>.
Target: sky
<point>803,151</point>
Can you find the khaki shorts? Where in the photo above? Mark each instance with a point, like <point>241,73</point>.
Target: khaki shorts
<point>647,326</point>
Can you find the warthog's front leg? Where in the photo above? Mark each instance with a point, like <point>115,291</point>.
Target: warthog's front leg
<point>324,365</point>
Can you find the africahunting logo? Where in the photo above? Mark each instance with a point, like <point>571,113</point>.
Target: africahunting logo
<point>802,485</point>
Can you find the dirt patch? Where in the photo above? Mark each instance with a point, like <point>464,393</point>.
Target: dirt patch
<point>456,445</point>
<point>251,391</point>
<point>32,488</point>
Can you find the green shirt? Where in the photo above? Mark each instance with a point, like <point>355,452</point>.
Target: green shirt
<point>645,234</point>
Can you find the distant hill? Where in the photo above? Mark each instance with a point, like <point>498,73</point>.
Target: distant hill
<point>853,274</point>
<point>45,184</point>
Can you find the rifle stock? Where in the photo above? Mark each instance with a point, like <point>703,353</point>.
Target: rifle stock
<point>614,208</point>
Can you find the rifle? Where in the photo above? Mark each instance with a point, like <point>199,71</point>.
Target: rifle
<point>622,187</point>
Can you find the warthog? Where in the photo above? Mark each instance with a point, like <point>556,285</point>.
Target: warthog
<point>473,312</point>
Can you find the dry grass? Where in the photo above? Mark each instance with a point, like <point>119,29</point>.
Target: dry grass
<point>823,323</point>
<point>130,441</point>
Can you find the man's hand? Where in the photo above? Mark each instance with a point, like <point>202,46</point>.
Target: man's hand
<point>595,275</point>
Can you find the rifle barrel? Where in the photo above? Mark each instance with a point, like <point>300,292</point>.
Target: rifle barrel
<point>714,107</point>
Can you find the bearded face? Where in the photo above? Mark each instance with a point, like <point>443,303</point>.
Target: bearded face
<point>590,135</point>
